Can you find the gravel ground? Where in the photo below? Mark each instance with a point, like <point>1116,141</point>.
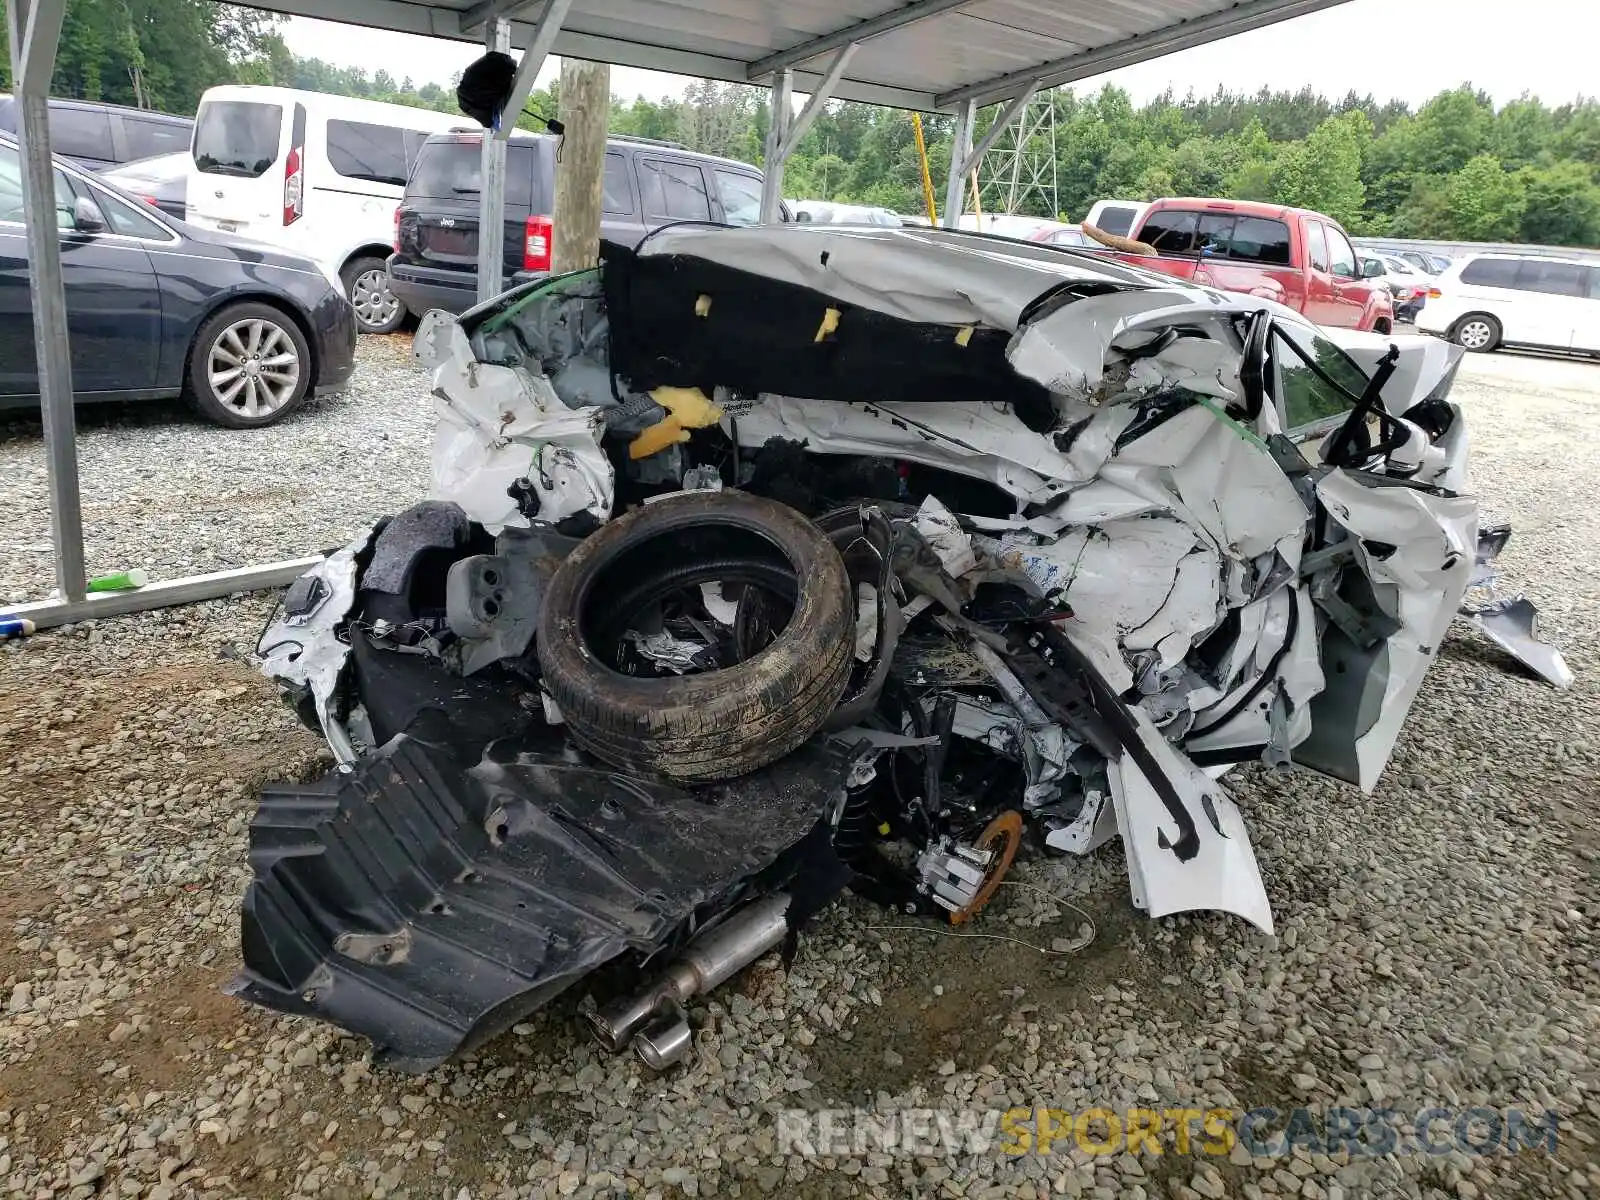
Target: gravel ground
<point>1436,940</point>
<point>170,493</point>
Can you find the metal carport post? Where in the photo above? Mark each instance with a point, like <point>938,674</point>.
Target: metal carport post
<point>496,18</point>
<point>34,27</point>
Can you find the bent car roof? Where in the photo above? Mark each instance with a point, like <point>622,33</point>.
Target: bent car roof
<point>932,275</point>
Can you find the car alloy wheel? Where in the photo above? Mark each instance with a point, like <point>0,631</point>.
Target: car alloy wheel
<point>254,367</point>
<point>1475,334</point>
<point>375,305</point>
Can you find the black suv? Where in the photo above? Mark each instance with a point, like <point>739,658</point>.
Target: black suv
<point>647,184</point>
<point>95,136</point>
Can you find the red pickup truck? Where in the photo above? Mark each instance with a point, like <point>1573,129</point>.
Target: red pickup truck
<point>1292,255</point>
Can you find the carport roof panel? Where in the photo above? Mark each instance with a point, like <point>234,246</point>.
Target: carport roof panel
<point>933,54</point>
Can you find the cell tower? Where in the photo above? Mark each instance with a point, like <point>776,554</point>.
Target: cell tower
<point>1018,174</point>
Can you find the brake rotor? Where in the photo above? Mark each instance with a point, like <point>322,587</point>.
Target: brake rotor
<point>1002,835</point>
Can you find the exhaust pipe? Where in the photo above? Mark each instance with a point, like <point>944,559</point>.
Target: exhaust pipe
<point>653,1021</point>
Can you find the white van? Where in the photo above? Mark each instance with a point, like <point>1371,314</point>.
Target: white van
<point>321,175</point>
<point>1490,300</point>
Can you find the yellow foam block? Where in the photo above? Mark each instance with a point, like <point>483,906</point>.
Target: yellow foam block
<point>687,408</point>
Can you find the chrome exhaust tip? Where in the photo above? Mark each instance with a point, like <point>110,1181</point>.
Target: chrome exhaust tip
<point>652,1022</point>
<point>665,1040</point>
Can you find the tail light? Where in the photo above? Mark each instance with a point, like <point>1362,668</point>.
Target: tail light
<point>294,177</point>
<point>397,229</point>
<point>150,200</point>
<point>293,187</point>
<point>537,239</point>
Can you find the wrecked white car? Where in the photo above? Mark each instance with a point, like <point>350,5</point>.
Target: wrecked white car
<point>767,562</point>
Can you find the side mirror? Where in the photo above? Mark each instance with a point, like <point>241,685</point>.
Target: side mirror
<point>1371,269</point>
<point>86,217</point>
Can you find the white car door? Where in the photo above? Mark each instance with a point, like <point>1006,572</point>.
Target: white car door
<point>1552,292</point>
<point>1586,328</point>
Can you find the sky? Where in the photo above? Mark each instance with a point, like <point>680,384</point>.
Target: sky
<point>1395,49</point>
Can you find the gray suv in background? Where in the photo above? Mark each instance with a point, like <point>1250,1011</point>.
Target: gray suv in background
<point>95,135</point>
<point>647,184</point>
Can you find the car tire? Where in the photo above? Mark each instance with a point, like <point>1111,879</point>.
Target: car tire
<point>366,286</point>
<point>718,724</point>
<point>1478,332</point>
<point>250,366</point>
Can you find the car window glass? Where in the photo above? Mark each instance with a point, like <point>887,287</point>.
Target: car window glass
<point>414,140</point>
<point>1342,255</point>
<point>1316,246</point>
<point>1551,278</point>
<point>1491,272</point>
<point>81,133</point>
<point>145,138</point>
<point>127,220</point>
<point>1215,236</point>
<point>1170,231</point>
<point>1117,220</point>
<point>676,191</point>
<point>1594,283</point>
<point>1260,240</point>
<point>1305,398</point>
<point>618,195</point>
<point>237,137</point>
<point>452,169</point>
<point>741,199</point>
<point>375,153</point>
<point>11,191</point>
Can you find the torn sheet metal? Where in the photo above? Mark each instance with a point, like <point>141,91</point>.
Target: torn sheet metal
<point>1513,625</point>
<point>303,652</point>
<point>1510,622</point>
<point>981,441</point>
<point>1068,350</point>
<point>1415,547</point>
<point>1222,874</point>
<point>505,448</point>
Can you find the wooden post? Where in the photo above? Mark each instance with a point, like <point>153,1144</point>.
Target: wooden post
<point>580,176</point>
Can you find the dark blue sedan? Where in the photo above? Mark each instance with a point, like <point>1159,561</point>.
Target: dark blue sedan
<point>159,309</point>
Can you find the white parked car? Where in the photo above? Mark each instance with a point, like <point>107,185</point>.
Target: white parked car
<point>1493,300</point>
<point>1405,282</point>
<point>320,175</point>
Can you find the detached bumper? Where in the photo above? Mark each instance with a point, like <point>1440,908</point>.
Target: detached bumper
<point>422,289</point>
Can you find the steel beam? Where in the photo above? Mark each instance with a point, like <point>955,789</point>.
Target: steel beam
<point>47,614</point>
<point>34,30</point>
<point>1241,18</point>
<point>776,151</point>
<point>492,184</point>
<point>897,18</point>
<point>477,16</point>
<point>992,134</point>
<point>955,188</point>
<point>533,56</point>
<point>819,99</point>
<point>403,16</point>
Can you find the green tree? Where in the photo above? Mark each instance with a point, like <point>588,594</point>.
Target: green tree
<point>1324,171</point>
<point>1486,201</point>
<point>1563,205</point>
